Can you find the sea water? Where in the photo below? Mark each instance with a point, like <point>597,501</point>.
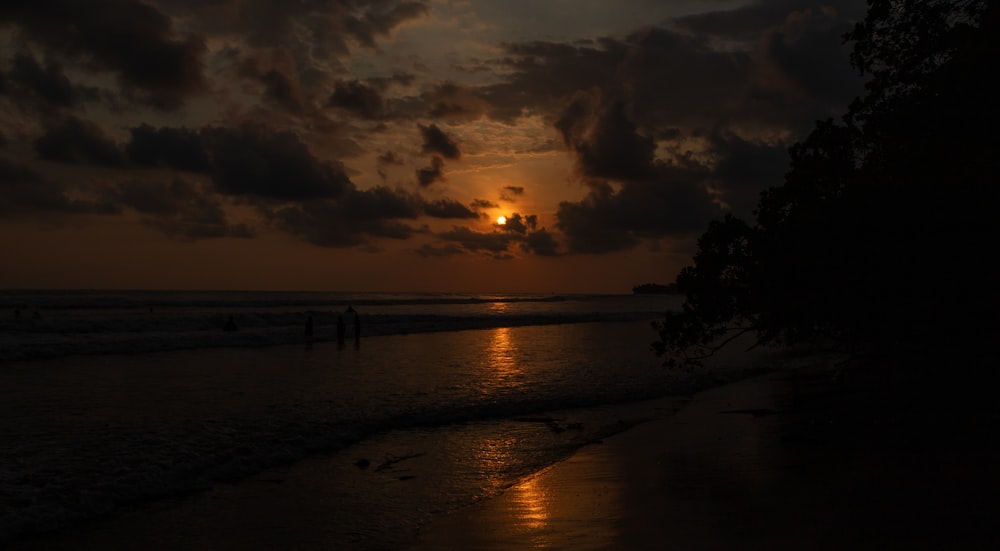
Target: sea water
<point>112,399</point>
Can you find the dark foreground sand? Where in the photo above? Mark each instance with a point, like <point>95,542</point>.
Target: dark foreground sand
<point>790,461</point>
<point>796,460</point>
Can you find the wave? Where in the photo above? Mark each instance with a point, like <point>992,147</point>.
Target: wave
<point>31,339</point>
<point>64,323</point>
<point>76,480</point>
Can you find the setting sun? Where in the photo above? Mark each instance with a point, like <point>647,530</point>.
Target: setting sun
<point>501,220</point>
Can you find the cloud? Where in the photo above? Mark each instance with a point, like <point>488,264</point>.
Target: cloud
<point>511,193</point>
<point>474,241</point>
<point>266,168</point>
<point>451,101</point>
<point>179,148</point>
<point>483,204</point>
<point>651,197</point>
<point>751,20</point>
<point>133,39</point>
<point>520,230</point>
<point>359,216</point>
<point>24,191</point>
<point>48,83</point>
<point>257,161</point>
<point>78,141</point>
<point>428,175</point>
<point>540,242</point>
<point>448,208</point>
<point>372,23</point>
<point>389,158</point>
<point>436,141</point>
<point>518,224</point>
<point>281,90</point>
<point>357,97</point>
<point>606,142</point>
<point>250,160</point>
<point>179,209</point>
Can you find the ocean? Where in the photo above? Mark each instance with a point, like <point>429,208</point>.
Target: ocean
<point>111,400</point>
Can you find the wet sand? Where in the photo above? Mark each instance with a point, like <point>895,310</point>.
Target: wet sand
<point>792,460</point>
<point>782,461</point>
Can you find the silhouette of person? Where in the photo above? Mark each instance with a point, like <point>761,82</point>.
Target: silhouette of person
<point>309,326</point>
<point>230,324</point>
<point>357,330</point>
<point>341,330</point>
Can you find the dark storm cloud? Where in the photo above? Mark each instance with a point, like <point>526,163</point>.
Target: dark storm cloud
<point>397,79</point>
<point>48,83</point>
<point>389,158</point>
<point>308,30</point>
<point>448,208</point>
<point>807,50</point>
<point>450,101</point>
<point>267,167</point>
<point>605,141</point>
<point>24,191</point>
<point>749,21</point>
<point>483,204</point>
<point>518,224</point>
<point>654,197</point>
<point>380,22</point>
<point>520,230</point>
<point>511,193</point>
<point>543,74</point>
<point>179,148</point>
<point>630,109</point>
<point>360,215</point>
<point>249,160</point>
<point>607,220</point>
<point>474,241</point>
<point>428,175</point>
<point>78,141</point>
<point>279,89</point>
<point>436,141</point>
<point>540,242</point>
<point>133,39</point>
<point>357,97</point>
<point>339,224</point>
<point>179,209</point>
<point>258,161</point>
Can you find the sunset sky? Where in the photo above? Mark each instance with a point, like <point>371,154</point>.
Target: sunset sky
<point>371,146</point>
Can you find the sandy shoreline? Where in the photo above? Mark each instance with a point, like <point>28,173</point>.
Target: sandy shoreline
<point>780,461</point>
<point>755,464</point>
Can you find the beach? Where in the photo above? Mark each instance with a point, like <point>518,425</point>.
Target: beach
<point>758,464</point>
<point>542,429</point>
<point>755,464</point>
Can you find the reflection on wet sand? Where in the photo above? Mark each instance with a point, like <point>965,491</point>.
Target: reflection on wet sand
<point>531,503</point>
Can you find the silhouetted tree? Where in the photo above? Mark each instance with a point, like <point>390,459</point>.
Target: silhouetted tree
<point>884,230</point>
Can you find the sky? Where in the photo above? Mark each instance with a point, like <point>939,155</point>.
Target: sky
<point>348,145</point>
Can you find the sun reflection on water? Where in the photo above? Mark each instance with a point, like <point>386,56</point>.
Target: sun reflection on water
<point>503,371</point>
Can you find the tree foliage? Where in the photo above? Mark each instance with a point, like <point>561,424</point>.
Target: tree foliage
<point>883,231</point>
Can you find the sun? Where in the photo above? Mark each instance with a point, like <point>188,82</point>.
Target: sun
<point>501,220</point>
